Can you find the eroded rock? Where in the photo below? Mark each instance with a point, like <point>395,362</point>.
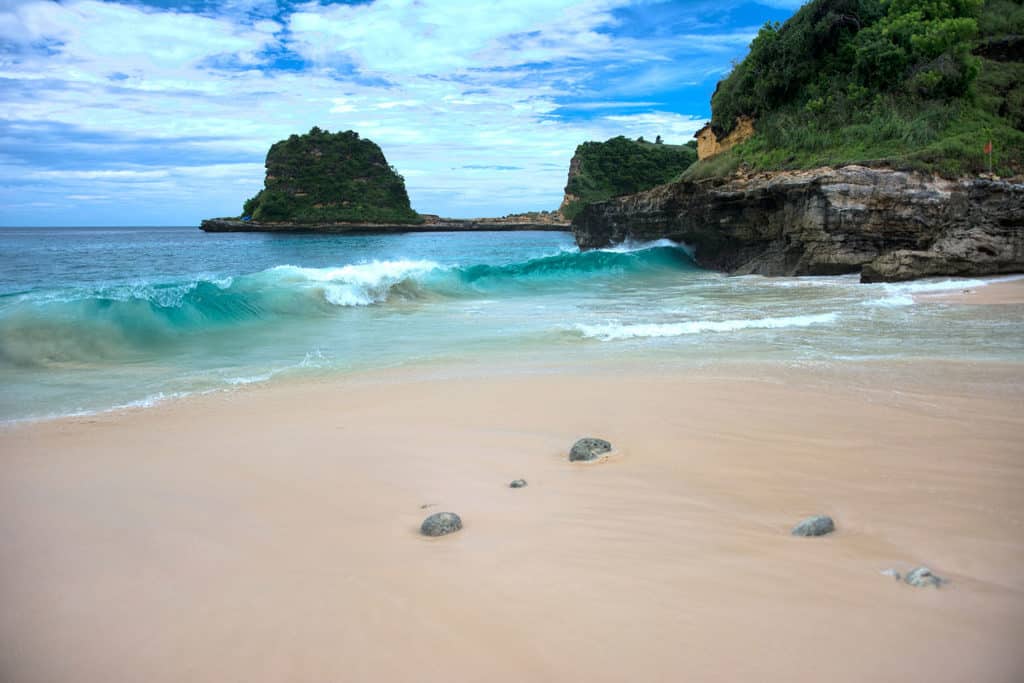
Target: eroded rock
<point>885,224</point>
<point>819,525</point>
<point>588,449</point>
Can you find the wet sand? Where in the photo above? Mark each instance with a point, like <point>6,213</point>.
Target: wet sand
<point>998,292</point>
<point>271,534</point>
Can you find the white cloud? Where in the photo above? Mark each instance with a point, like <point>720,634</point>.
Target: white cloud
<point>439,37</point>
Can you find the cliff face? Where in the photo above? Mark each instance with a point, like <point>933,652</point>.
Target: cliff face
<point>708,144</point>
<point>574,170</point>
<point>887,225</point>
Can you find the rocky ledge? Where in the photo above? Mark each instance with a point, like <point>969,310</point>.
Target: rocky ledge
<point>887,225</point>
<point>429,225</point>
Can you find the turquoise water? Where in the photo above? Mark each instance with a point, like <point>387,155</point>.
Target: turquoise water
<point>92,319</point>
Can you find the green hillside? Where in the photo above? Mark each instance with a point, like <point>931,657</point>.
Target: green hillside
<point>619,166</point>
<point>916,84</point>
<point>324,177</point>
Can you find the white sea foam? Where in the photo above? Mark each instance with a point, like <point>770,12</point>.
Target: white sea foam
<point>894,301</point>
<point>635,245</point>
<point>615,331</point>
<point>899,294</point>
<point>251,379</point>
<point>952,284</point>
<point>147,402</point>
<point>360,284</point>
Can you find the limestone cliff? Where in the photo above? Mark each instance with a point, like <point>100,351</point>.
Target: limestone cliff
<point>709,143</point>
<point>884,224</point>
<point>574,171</point>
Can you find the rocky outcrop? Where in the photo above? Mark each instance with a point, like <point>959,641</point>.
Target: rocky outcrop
<point>322,177</point>
<point>709,144</point>
<point>885,224</point>
<point>575,166</point>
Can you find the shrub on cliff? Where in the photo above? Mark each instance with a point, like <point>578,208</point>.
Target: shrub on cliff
<point>621,166</point>
<point>330,177</point>
<point>897,82</point>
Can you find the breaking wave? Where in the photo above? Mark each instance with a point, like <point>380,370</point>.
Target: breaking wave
<point>117,321</point>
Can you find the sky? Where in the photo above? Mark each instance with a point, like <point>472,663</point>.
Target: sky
<point>161,113</point>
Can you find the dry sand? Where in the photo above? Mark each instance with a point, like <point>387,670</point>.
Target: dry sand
<point>997,292</point>
<point>270,534</point>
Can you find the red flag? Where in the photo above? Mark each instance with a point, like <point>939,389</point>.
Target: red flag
<point>988,147</point>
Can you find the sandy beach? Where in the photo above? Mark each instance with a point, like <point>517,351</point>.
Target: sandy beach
<point>271,533</point>
<point>995,292</point>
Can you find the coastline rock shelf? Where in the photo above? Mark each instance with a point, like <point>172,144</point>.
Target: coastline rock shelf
<point>887,225</point>
<point>428,225</point>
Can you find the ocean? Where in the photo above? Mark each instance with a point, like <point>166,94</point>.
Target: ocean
<point>93,319</point>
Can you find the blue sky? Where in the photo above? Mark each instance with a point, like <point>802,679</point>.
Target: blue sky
<point>160,113</point>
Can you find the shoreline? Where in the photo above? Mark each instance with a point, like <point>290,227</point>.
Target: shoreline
<point>270,532</point>
<point>993,291</point>
<point>998,291</point>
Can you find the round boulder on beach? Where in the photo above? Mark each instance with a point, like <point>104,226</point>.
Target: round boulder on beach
<point>819,525</point>
<point>518,483</point>
<point>441,523</point>
<point>922,577</point>
<point>588,449</point>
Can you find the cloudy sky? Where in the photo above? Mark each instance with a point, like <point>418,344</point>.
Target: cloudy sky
<point>160,113</point>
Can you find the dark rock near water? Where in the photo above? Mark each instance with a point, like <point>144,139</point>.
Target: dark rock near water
<point>382,228</point>
<point>517,484</point>
<point>818,525</point>
<point>441,523</point>
<point>886,225</point>
<point>922,577</point>
<point>588,449</point>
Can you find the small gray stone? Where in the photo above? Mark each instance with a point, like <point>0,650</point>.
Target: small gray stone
<point>819,525</point>
<point>922,577</point>
<point>891,572</point>
<point>588,448</point>
<point>518,484</point>
<point>441,523</point>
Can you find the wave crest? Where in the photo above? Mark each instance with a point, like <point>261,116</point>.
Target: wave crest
<point>120,321</point>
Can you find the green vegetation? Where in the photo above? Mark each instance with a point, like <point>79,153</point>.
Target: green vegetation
<point>322,177</point>
<point>621,166</point>
<point>914,84</point>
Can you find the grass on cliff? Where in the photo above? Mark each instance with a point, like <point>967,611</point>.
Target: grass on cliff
<point>900,83</point>
<point>621,166</point>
